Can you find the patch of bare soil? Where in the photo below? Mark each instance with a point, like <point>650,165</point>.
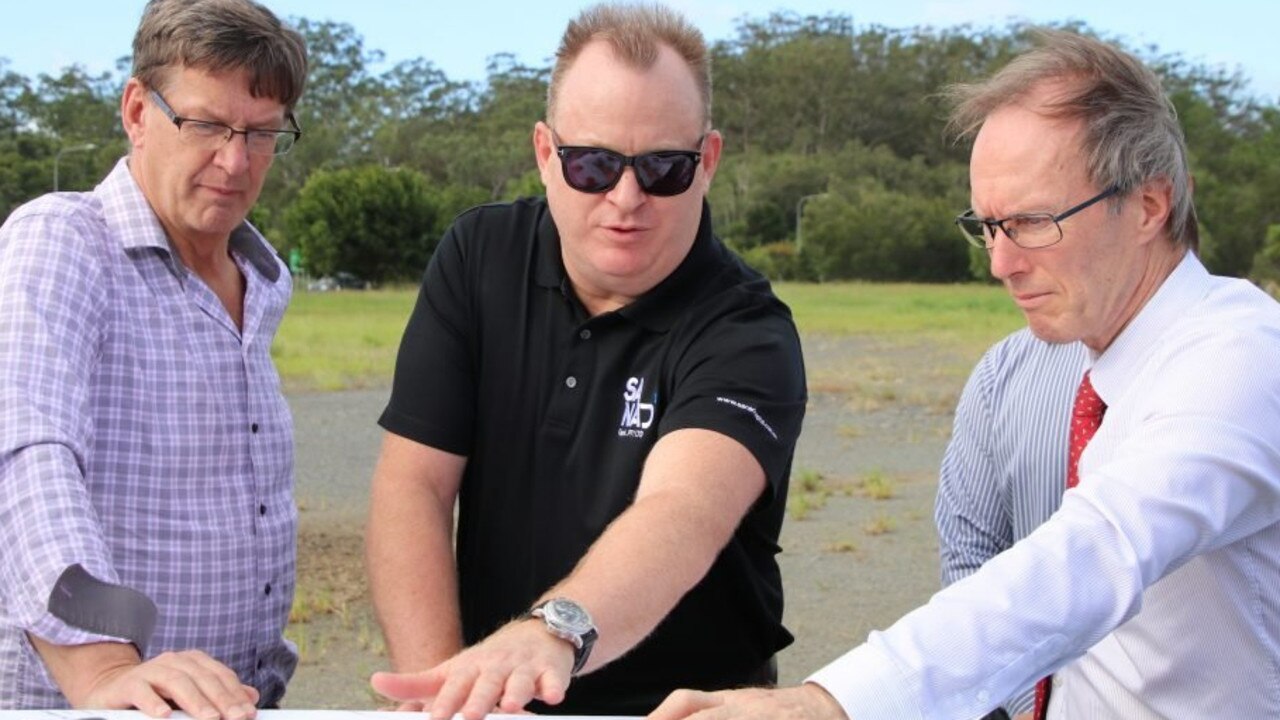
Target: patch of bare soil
<point>859,546</point>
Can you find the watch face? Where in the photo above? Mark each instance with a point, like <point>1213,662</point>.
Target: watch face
<point>569,615</point>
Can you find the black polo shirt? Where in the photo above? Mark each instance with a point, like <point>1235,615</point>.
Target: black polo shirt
<point>556,412</point>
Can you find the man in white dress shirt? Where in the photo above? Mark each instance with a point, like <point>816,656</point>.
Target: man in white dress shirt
<point>1151,592</point>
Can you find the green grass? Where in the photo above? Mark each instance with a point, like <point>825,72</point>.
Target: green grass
<point>809,492</point>
<point>965,315</point>
<point>878,487</point>
<point>341,340</point>
<point>346,340</point>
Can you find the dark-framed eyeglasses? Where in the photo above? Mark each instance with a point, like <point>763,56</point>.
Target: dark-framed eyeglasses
<point>596,170</point>
<point>1026,230</point>
<point>211,135</point>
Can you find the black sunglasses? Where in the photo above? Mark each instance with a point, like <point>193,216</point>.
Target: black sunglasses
<point>596,170</point>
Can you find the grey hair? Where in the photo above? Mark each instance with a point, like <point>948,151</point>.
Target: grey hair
<point>1131,130</point>
<point>217,36</point>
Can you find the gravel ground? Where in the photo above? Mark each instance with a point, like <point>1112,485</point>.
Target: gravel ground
<point>859,547</point>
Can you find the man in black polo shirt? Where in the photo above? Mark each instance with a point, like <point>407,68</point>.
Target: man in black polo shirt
<point>612,397</point>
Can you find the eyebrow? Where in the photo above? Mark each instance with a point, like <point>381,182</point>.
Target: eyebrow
<point>202,114</point>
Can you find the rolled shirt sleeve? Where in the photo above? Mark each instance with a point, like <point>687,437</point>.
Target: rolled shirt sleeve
<point>51,300</point>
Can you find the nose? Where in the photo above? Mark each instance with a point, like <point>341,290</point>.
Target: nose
<point>233,156</point>
<point>627,194</point>
<point>1007,257</point>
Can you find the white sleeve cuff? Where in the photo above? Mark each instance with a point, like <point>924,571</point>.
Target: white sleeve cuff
<point>868,685</point>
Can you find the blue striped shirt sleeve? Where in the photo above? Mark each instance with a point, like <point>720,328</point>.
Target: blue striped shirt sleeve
<point>1003,473</point>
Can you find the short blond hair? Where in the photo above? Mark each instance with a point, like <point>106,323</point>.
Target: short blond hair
<point>218,36</point>
<point>1131,132</point>
<point>635,32</point>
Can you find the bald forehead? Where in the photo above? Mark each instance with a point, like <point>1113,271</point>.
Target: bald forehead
<point>1024,156</point>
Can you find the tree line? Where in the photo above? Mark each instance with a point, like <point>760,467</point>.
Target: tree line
<point>836,162</point>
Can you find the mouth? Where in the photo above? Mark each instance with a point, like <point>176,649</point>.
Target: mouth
<point>1029,300</point>
<point>624,231</point>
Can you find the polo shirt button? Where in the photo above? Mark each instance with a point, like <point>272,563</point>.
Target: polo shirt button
<point>253,428</point>
<point>585,334</point>
<point>262,509</point>
<point>259,664</point>
<point>571,382</point>
<point>268,589</point>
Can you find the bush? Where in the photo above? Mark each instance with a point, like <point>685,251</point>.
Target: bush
<point>780,261</point>
<point>1266,263</point>
<point>379,223</point>
<point>867,232</point>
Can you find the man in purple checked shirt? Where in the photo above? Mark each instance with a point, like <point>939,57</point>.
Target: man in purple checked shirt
<point>147,525</point>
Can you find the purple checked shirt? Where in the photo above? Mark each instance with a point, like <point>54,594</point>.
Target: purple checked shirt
<point>143,436</point>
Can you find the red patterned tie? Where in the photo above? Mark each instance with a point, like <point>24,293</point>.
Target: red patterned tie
<point>1086,417</point>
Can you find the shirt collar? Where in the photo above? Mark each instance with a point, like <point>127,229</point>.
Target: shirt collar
<point>657,309</point>
<point>132,221</point>
<point>1116,367</point>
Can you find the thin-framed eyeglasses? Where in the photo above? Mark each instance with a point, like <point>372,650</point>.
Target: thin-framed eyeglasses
<point>596,170</point>
<point>212,135</point>
<point>1026,230</point>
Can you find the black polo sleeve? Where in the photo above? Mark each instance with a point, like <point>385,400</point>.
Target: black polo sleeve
<point>433,391</point>
<point>741,373</point>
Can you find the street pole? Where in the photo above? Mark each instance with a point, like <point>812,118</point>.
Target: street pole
<point>58,158</point>
<point>800,217</point>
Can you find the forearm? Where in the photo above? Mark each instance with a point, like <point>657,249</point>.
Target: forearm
<point>412,571</point>
<point>635,574</point>
<point>78,669</point>
<point>113,676</point>
<point>665,543</point>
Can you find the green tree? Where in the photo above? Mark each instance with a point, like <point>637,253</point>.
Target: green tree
<point>378,223</point>
<point>339,114</point>
<point>489,145</point>
<point>1266,264</point>
<point>865,231</point>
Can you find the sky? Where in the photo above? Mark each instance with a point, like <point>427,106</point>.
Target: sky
<point>459,36</point>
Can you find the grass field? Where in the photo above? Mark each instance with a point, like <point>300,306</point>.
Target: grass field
<point>345,340</point>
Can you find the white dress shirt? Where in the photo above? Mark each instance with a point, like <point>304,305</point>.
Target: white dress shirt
<point>1153,589</point>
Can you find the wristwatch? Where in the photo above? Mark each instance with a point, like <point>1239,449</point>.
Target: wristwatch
<point>570,621</point>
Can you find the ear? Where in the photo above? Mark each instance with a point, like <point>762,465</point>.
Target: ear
<point>711,148</point>
<point>133,106</point>
<point>1155,202</point>
<point>543,148</point>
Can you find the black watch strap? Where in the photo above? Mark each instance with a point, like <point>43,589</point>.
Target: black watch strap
<point>580,654</point>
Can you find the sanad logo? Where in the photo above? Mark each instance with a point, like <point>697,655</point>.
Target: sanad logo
<point>636,416</point>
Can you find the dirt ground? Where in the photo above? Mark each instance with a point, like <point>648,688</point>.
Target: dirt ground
<point>859,547</point>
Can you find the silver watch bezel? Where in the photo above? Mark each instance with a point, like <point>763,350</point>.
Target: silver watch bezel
<point>565,618</point>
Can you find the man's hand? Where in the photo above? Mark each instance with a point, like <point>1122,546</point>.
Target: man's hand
<point>111,676</point>
<point>518,663</point>
<point>807,702</point>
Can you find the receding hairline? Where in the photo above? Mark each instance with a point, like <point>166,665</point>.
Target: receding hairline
<point>640,67</point>
<point>635,33</point>
<point>1131,133</point>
